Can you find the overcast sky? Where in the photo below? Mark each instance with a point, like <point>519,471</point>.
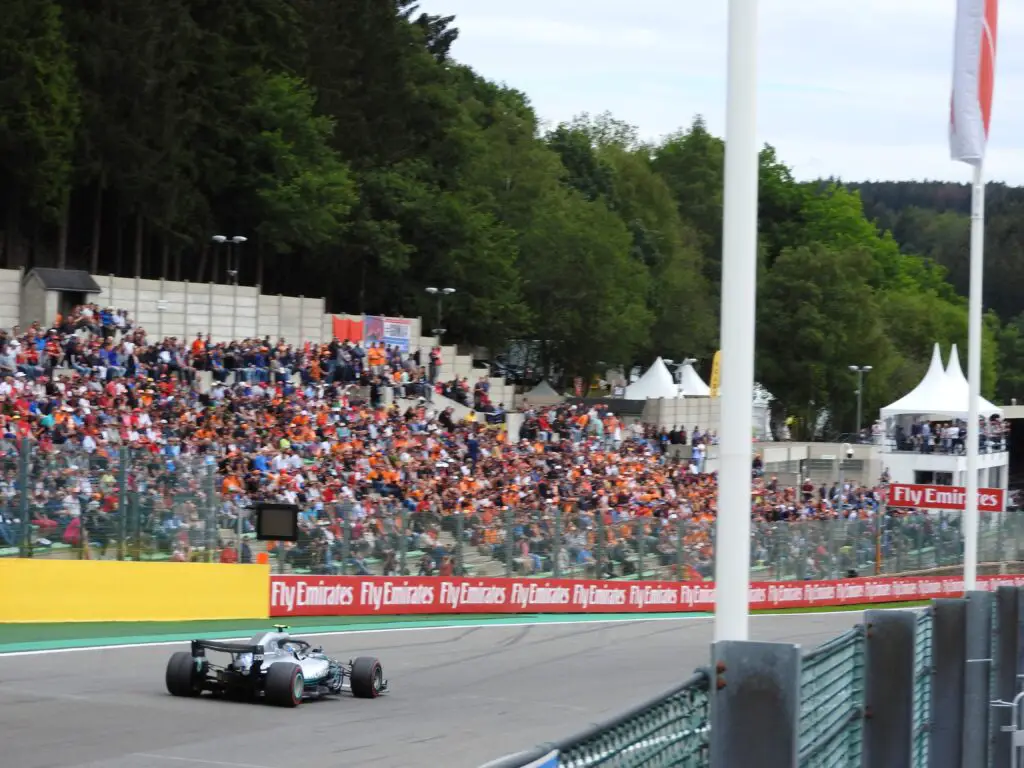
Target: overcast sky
<point>858,90</point>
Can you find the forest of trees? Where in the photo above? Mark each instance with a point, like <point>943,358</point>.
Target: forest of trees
<point>363,164</point>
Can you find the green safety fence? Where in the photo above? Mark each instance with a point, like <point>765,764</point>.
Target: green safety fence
<point>671,730</point>
<point>124,504</point>
<point>675,729</point>
<point>132,504</point>
<point>923,688</point>
<point>832,702</point>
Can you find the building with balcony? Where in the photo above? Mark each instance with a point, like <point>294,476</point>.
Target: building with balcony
<point>922,436</point>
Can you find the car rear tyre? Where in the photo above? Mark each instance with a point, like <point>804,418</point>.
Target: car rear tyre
<point>367,678</point>
<point>284,685</point>
<point>183,678</point>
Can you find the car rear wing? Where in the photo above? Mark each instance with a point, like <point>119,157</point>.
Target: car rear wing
<point>199,648</point>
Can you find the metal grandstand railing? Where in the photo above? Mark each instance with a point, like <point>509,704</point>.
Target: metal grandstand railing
<point>834,722</point>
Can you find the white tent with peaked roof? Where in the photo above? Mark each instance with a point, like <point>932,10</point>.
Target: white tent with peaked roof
<point>656,383</point>
<point>934,395</point>
<point>690,382</point>
<point>941,394</point>
<point>955,374</point>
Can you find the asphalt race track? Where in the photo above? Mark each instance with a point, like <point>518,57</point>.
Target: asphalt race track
<point>460,697</point>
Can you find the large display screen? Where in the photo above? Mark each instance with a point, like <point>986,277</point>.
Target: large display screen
<point>277,522</point>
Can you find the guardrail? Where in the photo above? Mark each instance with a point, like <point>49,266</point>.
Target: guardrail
<point>927,688</point>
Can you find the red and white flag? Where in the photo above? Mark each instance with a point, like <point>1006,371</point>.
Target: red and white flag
<point>974,67</point>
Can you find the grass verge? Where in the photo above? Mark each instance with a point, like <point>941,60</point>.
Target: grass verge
<point>31,633</point>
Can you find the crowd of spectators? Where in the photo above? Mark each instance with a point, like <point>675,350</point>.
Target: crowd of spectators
<point>374,481</point>
<point>950,437</point>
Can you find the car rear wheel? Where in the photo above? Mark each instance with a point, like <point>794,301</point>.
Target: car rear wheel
<point>183,677</point>
<point>284,685</point>
<point>367,678</point>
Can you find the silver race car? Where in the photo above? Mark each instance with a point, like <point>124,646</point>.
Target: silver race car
<point>281,669</point>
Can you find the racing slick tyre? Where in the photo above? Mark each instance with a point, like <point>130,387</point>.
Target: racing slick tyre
<point>183,679</point>
<point>284,685</point>
<point>367,678</point>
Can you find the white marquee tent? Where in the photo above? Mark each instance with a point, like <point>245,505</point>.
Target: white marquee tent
<point>656,383</point>
<point>939,394</point>
<point>956,376</point>
<point>691,384</point>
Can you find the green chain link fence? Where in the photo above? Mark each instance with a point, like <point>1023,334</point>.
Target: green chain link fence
<point>675,729</point>
<point>130,503</point>
<point>832,702</point>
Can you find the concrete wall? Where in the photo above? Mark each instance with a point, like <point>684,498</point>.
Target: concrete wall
<point>183,309</point>
<point>690,412</point>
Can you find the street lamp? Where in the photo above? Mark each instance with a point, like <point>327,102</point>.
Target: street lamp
<point>860,370</point>
<point>231,241</point>
<point>440,293</point>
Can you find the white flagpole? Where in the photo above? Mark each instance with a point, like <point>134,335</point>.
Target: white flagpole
<point>739,297</point>
<point>977,273</point>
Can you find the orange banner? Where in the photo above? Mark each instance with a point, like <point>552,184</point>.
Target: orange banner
<point>347,330</point>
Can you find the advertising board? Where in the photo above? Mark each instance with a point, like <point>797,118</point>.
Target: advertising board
<point>944,497</point>
<point>393,596</point>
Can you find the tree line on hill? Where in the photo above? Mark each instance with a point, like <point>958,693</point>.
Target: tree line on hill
<point>364,163</point>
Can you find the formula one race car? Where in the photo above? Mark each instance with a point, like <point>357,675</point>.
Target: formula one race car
<point>281,669</point>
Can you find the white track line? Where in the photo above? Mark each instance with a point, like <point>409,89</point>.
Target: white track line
<point>448,628</point>
<point>198,761</point>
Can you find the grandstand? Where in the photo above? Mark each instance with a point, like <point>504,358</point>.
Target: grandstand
<point>155,447</point>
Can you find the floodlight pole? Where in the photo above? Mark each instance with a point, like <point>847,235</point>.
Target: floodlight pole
<point>739,298</point>
<point>860,370</point>
<point>974,377</point>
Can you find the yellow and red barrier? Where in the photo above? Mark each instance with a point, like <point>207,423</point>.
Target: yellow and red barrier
<point>87,590</point>
<point>108,590</point>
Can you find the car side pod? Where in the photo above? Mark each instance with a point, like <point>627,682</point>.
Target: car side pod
<point>367,678</point>
<point>184,676</point>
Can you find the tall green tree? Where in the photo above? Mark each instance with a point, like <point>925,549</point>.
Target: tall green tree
<point>39,111</point>
<point>817,315</point>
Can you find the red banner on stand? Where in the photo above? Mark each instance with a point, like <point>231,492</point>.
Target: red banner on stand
<point>391,596</point>
<point>943,497</point>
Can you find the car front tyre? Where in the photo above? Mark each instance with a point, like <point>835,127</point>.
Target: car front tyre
<point>284,685</point>
<point>367,678</point>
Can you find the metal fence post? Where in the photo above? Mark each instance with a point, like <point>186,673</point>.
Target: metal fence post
<point>212,531</point>
<point>599,548</point>
<point>949,622</point>
<point>510,540</point>
<point>556,543</point>
<point>346,538</point>
<point>977,679</point>
<point>403,521</point>
<point>460,529</point>
<point>679,550</point>
<point>640,548</point>
<point>123,457</point>
<point>755,704</point>
<point>135,513</point>
<point>24,495</point>
<point>1005,660</point>
<point>889,689</point>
